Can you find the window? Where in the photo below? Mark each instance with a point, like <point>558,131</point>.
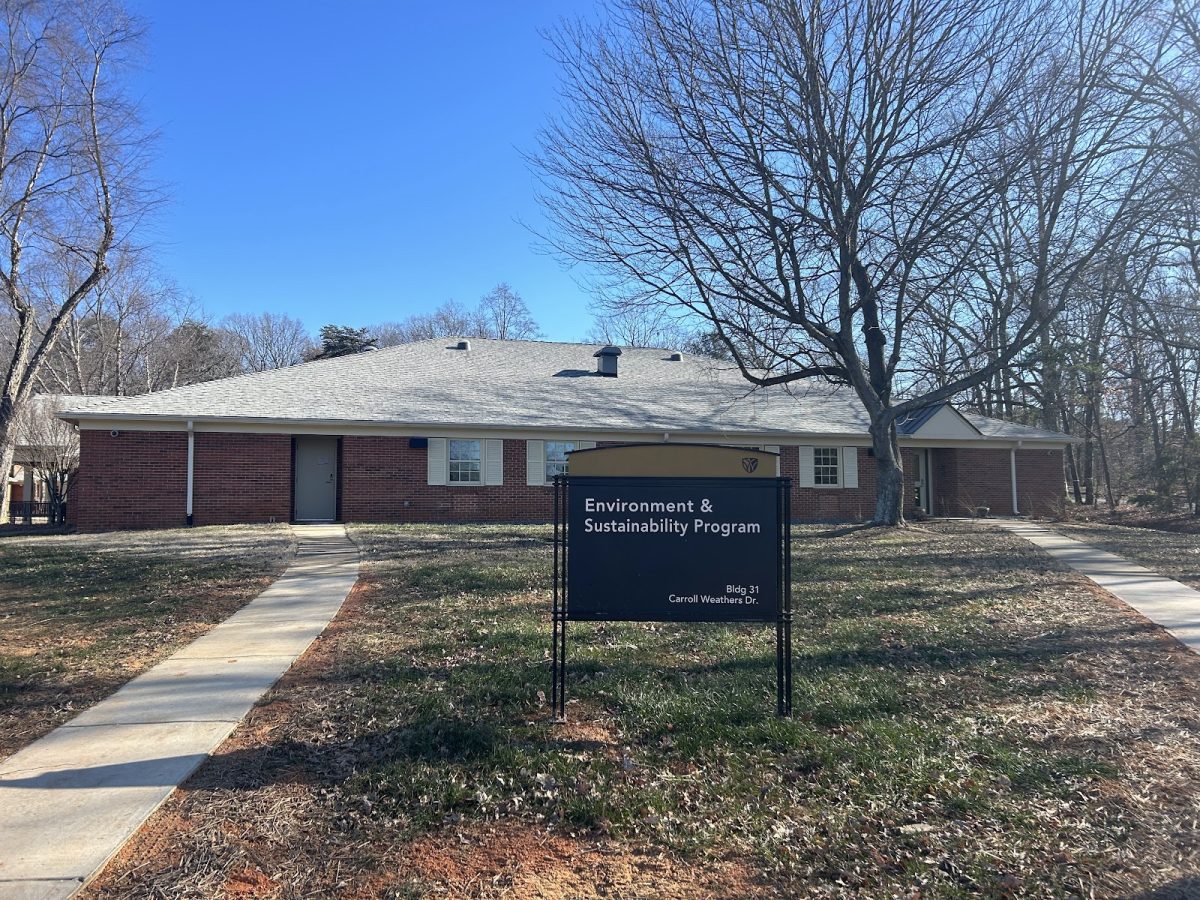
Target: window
<point>825,466</point>
<point>464,459</point>
<point>556,457</point>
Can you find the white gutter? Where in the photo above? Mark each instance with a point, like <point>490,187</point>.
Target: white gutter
<point>191,466</point>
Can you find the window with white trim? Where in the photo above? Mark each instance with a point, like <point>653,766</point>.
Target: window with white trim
<point>465,462</point>
<point>556,457</point>
<point>826,466</point>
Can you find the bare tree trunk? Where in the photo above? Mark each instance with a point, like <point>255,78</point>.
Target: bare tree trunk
<point>1073,474</point>
<point>889,476</point>
<point>1089,473</point>
<point>7,455</point>
<point>1104,470</point>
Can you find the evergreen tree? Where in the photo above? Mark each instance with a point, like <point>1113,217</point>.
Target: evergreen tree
<point>342,340</point>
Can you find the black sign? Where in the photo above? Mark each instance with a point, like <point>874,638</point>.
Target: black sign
<point>674,549</point>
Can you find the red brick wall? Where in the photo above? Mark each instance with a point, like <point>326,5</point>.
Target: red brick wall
<point>137,479</point>
<point>383,480</point>
<point>242,478</point>
<point>842,504</point>
<point>1041,487</point>
<point>965,479</point>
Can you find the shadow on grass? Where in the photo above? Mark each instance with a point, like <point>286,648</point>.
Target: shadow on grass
<point>1186,888</point>
<point>835,688</point>
<point>845,530</point>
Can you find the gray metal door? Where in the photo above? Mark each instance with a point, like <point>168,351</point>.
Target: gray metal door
<point>316,479</point>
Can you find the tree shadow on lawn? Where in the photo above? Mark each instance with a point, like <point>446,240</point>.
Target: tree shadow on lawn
<point>105,590</point>
<point>430,541</point>
<point>808,600</point>
<point>999,664</point>
<point>504,731</point>
<point>462,695</point>
<point>512,729</point>
<point>1186,888</point>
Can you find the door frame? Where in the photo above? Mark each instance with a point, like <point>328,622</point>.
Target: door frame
<point>925,468</point>
<point>337,482</point>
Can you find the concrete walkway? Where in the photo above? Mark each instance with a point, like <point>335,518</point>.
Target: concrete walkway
<point>1174,606</point>
<point>69,801</point>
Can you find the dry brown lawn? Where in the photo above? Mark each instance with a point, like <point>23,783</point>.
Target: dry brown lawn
<point>971,721</point>
<point>82,614</point>
<point>1172,553</point>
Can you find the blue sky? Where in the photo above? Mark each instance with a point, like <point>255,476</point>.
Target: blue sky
<point>356,165</point>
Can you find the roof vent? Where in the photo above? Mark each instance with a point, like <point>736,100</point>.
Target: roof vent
<point>675,356</point>
<point>463,345</point>
<point>607,364</point>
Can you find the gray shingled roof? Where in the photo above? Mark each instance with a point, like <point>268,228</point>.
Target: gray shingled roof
<point>516,384</point>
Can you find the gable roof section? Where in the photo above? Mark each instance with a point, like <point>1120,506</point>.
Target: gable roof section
<point>912,422</point>
<point>938,421</point>
<point>507,384</point>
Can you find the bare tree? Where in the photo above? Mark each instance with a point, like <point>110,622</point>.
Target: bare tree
<point>69,156</point>
<point>501,314</point>
<point>267,340</point>
<point>644,325</point>
<point>506,316</point>
<point>50,447</point>
<point>193,352</point>
<point>850,171</point>
<point>112,341</point>
<point>451,319</point>
<point>1120,367</point>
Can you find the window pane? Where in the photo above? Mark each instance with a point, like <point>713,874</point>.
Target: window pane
<point>464,466</point>
<point>825,465</point>
<point>464,471</point>
<point>556,457</point>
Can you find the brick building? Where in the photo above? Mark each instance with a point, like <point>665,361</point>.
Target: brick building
<point>475,430</point>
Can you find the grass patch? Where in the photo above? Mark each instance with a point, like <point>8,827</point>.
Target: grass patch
<point>82,614</point>
<point>970,721</point>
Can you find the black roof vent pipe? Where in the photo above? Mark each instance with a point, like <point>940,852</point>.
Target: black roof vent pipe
<point>607,361</point>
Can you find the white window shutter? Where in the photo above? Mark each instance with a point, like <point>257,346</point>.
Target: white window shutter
<point>850,467</point>
<point>437,461</point>
<point>774,448</point>
<point>493,462</point>
<point>806,466</point>
<point>535,462</point>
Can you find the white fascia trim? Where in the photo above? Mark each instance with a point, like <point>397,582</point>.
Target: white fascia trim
<point>242,425</point>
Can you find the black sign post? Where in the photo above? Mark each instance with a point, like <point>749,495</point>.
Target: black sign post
<point>672,549</point>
